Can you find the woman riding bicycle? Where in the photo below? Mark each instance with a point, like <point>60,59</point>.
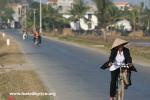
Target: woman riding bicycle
<point>119,55</point>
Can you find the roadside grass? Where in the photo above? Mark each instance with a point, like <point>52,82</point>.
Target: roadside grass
<point>85,40</point>
<point>144,39</point>
<point>2,42</point>
<point>141,53</point>
<point>10,54</point>
<point>16,80</point>
<point>21,81</point>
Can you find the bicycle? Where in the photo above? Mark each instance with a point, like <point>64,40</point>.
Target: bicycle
<point>122,81</point>
<point>36,42</point>
<point>25,35</point>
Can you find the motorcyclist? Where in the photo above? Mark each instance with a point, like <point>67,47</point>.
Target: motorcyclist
<point>37,36</point>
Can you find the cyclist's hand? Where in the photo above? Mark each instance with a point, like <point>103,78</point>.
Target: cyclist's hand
<point>110,64</point>
<point>130,64</point>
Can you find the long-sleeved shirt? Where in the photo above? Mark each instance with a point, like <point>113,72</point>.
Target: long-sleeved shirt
<point>119,59</point>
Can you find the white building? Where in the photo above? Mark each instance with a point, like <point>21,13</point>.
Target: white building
<point>124,25</point>
<point>19,10</point>
<point>123,6</point>
<point>64,5</point>
<point>87,23</point>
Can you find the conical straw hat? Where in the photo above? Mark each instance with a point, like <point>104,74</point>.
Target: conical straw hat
<point>119,42</point>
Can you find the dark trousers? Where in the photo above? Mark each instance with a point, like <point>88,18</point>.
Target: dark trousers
<point>113,83</point>
<point>114,79</point>
<point>39,39</point>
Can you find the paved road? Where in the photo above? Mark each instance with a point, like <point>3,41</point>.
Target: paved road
<point>73,72</point>
<point>140,43</point>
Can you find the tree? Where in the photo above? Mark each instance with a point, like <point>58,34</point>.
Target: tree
<point>7,14</point>
<point>3,3</point>
<point>51,19</point>
<point>79,9</point>
<point>112,14</point>
<point>103,10</point>
<point>148,14</point>
<point>147,19</point>
<point>5,11</point>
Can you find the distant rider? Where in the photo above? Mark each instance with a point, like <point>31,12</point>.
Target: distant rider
<point>24,34</point>
<point>37,36</point>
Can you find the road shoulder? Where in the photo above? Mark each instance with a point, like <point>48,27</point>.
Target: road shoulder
<point>17,75</point>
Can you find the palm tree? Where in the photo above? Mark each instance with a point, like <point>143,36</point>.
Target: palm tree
<point>51,18</point>
<point>30,15</point>
<point>79,9</point>
<point>112,14</point>
<point>134,18</point>
<point>147,18</point>
<point>103,10</point>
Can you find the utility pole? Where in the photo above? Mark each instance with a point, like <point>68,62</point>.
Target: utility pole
<point>40,16</point>
<point>47,5</point>
<point>26,18</point>
<point>148,23</point>
<point>34,18</point>
<point>148,26</point>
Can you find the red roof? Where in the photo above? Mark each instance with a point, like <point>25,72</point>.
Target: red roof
<point>13,4</point>
<point>50,1</point>
<point>121,3</point>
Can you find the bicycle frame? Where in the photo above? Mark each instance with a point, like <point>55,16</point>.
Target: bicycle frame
<point>122,80</point>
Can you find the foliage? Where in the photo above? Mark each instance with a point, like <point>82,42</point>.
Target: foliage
<point>79,9</point>
<point>7,14</point>
<point>5,11</point>
<point>103,7</point>
<point>51,19</point>
<point>108,14</point>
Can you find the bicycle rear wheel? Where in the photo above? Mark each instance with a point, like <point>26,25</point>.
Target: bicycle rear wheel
<point>120,91</point>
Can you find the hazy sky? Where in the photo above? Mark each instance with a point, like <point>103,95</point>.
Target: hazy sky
<point>131,1</point>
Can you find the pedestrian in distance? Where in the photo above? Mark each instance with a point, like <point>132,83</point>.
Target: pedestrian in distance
<point>24,34</point>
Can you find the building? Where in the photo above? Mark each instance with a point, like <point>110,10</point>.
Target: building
<point>123,6</point>
<point>63,5</point>
<point>19,10</point>
<point>52,2</point>
<point>88,22</point>
<point>19,14</point>
<point>123,25</point>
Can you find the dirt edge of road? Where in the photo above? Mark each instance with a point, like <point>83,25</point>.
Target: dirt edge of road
<point>17,75</point>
